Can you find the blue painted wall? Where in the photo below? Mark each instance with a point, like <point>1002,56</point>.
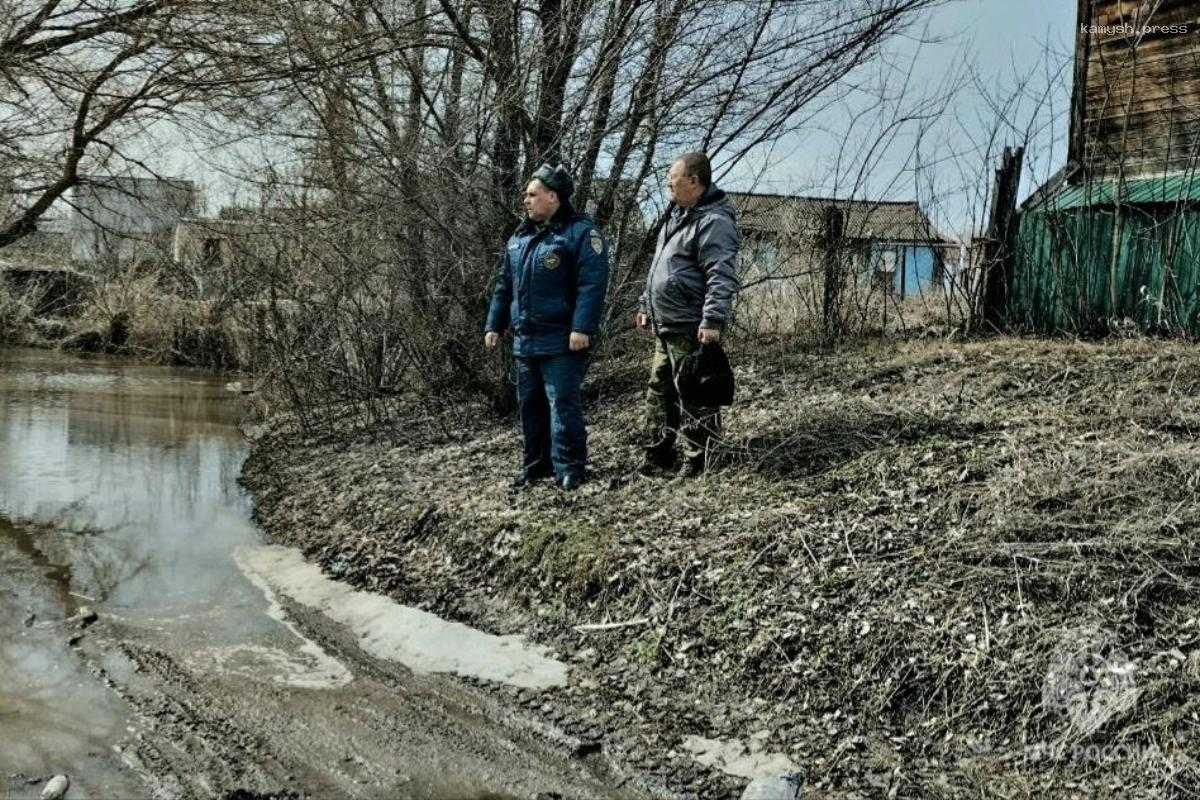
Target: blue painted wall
<point>914,268</point>
<point>917,275</point>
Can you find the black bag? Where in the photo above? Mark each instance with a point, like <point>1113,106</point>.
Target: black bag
<point>705,377</point>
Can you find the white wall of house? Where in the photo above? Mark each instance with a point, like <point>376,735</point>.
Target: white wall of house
<point>124,218</point>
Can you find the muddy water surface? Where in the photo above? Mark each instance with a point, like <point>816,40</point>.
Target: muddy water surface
<point>118,492</point>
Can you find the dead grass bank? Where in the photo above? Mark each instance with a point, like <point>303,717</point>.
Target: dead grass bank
<point>921,570</point>
<point>131,315</point>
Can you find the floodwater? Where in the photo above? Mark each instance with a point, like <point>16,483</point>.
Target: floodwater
<point>118,492</point>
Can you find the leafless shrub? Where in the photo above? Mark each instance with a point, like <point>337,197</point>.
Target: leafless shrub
<point>16,312</point>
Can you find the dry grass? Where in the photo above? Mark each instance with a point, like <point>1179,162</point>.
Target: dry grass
<point>793,307</point>
<point>16,313</point>
<point>897,550</point>
<point>132,314</point>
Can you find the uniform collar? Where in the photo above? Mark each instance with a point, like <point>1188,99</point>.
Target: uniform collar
<point>555,224</point>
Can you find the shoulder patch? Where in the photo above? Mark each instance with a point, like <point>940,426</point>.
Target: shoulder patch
<point>513,244</point>
<point>597,241</point>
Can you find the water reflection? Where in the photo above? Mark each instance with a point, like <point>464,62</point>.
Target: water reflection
<point>118,488</point>
<point>133,471</point>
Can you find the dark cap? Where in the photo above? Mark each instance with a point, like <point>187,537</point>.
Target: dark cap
<point>556,179</point>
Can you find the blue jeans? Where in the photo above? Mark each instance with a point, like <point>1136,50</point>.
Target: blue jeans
<point>551,400</point>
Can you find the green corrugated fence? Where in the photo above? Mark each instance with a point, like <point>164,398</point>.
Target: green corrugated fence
<point>1076,267</point>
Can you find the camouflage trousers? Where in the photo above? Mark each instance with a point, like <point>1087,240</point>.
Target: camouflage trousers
<point>666,418</point>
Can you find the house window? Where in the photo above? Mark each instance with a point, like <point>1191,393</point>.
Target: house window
<point>768,253</point>
<point>887,261</point>
<point>761,256</point>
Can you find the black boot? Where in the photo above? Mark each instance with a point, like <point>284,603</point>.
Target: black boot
<point>654,462</point>
<point>572,482</point>
<point>526,477</point>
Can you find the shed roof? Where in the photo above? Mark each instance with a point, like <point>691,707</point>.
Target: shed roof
<point>1180,187</point>
<point>793,215</point>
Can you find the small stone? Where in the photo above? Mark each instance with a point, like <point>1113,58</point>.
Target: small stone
<point>786,787</point>
<point>56,787</point>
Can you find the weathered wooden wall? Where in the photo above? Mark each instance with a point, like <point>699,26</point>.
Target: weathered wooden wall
<point>1136,109</point>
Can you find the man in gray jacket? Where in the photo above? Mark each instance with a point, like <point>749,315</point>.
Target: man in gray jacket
<point>686,303</point>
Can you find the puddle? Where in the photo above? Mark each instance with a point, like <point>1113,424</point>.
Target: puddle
<point>118,489</point>
<point>310,668</point>
<point>260,663</point>
<point>738,758</point>
<point>423,642</point>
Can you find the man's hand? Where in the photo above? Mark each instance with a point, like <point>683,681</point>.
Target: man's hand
<point>580,341</point>
<point>491,339</point>
<point>642,321</point>
<point>708,335</point>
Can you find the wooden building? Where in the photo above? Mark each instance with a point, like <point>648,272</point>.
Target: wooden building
<point>888,249</point>
<point>1115,234</point>
<point>891,242</point>
<point>1136,96</point>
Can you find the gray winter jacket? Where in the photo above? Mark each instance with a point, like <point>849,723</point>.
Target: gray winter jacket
<point>693,277</point>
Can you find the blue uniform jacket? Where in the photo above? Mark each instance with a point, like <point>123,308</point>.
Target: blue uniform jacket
<point>551,282</point>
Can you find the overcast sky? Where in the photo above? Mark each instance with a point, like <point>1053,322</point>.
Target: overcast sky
<point>981,46</point>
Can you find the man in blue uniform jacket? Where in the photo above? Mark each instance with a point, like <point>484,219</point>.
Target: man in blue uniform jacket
<point>550,291</point>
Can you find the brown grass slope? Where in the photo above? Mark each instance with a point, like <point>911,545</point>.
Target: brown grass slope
<point>915,568</point>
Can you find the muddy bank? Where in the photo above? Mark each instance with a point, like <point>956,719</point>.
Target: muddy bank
<point>914,569</point>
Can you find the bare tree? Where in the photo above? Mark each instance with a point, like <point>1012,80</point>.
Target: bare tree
<point>79,81</point>
<point>414,121</point>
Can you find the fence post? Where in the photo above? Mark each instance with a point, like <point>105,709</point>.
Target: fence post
<point>831,243</point>
<point>997,253</point>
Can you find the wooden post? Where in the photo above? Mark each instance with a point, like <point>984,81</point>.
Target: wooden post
<point>831,242</point>
<point>1083,49</point>
<point>998,241</point>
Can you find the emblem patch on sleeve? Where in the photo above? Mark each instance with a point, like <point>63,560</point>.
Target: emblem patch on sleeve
<point>597,242</point>
<point>550,260</point>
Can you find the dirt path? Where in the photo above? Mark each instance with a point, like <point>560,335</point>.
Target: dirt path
<point>153,721</point>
